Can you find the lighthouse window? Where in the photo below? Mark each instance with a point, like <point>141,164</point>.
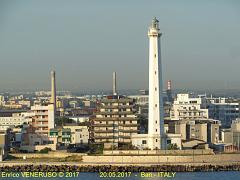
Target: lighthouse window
<point>155,72</point>
<point>156,140</point>
<point>155,55</point>
<point>156,122</point>
<point>155,105</point>
<point>156,130</point>
<point>155,89</point>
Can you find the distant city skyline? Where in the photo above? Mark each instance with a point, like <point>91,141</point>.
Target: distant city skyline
<point>85,41</point>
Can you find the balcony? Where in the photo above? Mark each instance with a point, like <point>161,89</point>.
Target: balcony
<point>42,120</point>
<point>41,125</point>
<point>41,131</point>
<point>41,113</point>
<point>115,113</point>
<point>103,125</point>
<point>116,100</point>
<point>127,125</point>
<point>105,131</point>
<point>105,137</point>
<point>129,131</point>
<point>116,106</point>
<point>124,137</point>
<point>116,119</point>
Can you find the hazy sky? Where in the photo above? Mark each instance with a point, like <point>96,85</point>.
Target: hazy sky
<point>85,41</point>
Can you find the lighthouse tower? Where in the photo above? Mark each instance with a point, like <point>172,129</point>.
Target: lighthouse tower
<point>156,138</point>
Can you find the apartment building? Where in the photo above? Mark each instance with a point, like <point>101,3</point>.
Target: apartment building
<point>15,119</point>
<point>43,118</point>
<point>186,107</point>
<point>115,121</point>
<point>79,133</point>
<point>70,134</point>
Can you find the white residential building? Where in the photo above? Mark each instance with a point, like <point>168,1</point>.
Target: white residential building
<point>15,120</point>
<point>140,99</point>
<point>185,107</point>
<point>79,134</point>
<point>43,118</point>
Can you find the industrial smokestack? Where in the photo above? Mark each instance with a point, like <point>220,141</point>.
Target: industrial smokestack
<point>114,83</point>
<point>53,90</point>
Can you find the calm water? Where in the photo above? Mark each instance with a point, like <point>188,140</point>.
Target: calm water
<point>178,176</point>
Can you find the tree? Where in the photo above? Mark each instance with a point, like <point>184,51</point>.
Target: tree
<point>96,148</point>
<point>45,150</point>
<point>60,121</point>
<point>172,146</point>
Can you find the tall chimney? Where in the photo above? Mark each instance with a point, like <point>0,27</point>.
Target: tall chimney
<point>53,90</point>
<point>114,83</point>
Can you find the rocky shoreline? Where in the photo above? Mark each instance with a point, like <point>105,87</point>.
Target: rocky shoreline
<point>114,168</point>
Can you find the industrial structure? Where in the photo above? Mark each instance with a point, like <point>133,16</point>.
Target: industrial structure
<point>53,90</point>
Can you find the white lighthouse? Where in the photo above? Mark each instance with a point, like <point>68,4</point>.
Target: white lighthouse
<point>155,111</point>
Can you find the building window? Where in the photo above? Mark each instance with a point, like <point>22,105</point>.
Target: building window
<point>169,141</point>
<point>155,89</point>
<point>156,130</point>
<point>156,140</point>
<point>155,72</point>
<point>155,105</point>
<point>144,142</point>
<point>156,122</point>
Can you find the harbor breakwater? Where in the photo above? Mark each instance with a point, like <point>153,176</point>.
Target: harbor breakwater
<point>119,168</point>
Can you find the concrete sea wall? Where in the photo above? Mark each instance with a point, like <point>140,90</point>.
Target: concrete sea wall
<point>159,152</point>
<point>112,168</point>
<point>154,159</point>
<point>136,159</point>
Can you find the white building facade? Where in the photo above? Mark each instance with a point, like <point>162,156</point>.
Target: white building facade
<point>185,107</point>
<point>43,118</point>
